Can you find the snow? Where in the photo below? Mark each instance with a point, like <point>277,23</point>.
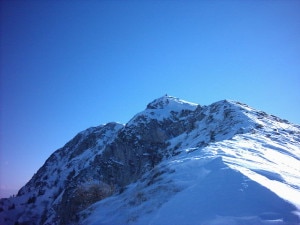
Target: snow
<point>199,200</point>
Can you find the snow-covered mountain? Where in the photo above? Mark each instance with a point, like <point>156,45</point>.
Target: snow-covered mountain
<point>176,162</point>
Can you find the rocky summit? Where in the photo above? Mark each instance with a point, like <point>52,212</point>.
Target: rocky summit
<point>176,163</point>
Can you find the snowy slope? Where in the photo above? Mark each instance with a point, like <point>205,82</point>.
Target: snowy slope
<point>176,162</point>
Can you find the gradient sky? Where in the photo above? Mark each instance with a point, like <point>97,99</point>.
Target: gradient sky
<point>69,65</point>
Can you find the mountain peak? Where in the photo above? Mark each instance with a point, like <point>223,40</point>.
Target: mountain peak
<point>167,101</point>
<point>231,102</point>
<point>162,108</point>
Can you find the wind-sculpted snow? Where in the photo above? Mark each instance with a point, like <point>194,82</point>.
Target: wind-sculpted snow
<point>176,162</point>
<point>193,190</point>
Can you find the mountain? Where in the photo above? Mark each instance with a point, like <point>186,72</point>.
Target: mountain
<point>176,162</point>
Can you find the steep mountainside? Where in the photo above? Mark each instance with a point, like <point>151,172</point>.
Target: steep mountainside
<point>173,163</point>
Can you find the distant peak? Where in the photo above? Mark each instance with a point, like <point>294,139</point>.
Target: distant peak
<point>226,101</point>
<point>159,103</point>
<point>231,102</point>
<point>167,100</point>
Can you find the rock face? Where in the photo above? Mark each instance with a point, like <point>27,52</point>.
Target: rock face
<point>104,162</point>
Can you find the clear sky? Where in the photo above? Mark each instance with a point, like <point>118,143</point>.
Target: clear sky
<point>68,65</point>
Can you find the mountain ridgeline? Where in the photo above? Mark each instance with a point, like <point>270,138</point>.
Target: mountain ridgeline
<point>225,163</point>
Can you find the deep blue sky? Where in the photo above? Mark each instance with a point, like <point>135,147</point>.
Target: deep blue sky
<point>69,65</point>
